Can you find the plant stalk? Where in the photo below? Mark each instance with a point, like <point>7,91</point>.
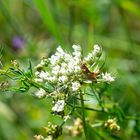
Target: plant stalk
<point>83,115</point>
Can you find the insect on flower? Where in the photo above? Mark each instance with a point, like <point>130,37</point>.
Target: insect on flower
<point>88,74</point>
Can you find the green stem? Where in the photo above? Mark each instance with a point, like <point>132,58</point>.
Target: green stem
<point>98,98</point>
<point>88,108</point>
<point>83,115</point>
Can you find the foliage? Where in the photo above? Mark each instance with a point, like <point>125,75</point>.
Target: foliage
<point>32,30</point>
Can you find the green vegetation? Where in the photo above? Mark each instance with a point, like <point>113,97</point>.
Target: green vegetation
<point>33,29</point>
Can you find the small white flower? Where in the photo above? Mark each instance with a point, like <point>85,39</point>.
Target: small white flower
<point>63,79</point>
<point>77,51</point>
<point>77,54</point>
<point>59,106</point>
<point>107,77</point>
<point>76,61</point>
<point>44,75</point>
<point>60,53</point>
<point>97,49</point>
<point>89,57</point>
<point>60,50</point>
<point>37,73</point>
<point>63,71</point>
<point>70,67</point>
<point>52,78</point>
<point>40,93</point>
<point>64,65</point>
<point>76,48</point>
<point>77,69</point>
<point>75,86</point>
<point>54,59</point>
<point>55,69</point>
<point>67,57</point>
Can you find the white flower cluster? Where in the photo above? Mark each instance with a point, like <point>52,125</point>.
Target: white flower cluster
<point>65,69</point>
<point>40,93</point>
<point>59,106</point>
<point>95,53</point>
<point>107,77</point>
<point>69,71</point>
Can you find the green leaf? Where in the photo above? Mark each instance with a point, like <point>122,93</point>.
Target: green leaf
<point>30,68</point>
<point>23,89</point>
<point>15,71</point>
<point>26,84</point>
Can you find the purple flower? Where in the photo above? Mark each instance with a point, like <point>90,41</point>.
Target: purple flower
<point>17,42</point>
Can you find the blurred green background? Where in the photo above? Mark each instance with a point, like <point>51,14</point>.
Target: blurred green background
<point>32,29</point>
